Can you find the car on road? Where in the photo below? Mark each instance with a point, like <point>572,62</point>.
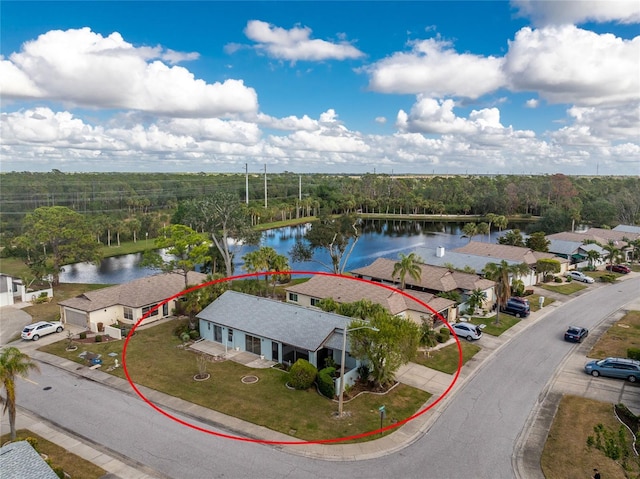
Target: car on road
<point>575,334</point>
<point>622,368</point>
<point>467,330</point>
<point>618,268</point>
<point>580,276</point>
<point>516,308</point>
<point>36,330</point>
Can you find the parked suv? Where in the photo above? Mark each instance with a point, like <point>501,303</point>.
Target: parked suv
<point>580,276</point>
<point>622,368</point>
<point>517,308</point>
<point>466,330</point>
<point>36,330</point>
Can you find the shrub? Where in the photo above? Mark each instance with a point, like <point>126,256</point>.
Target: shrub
<point>445,332</point>
<point>193,334</point>
<point>83,335</point>
<point>633,353</point>
<point>557,279</point>
<point>98,338</point>
<point>185,337</point>
<point>608,278</point>
<point>548,278</point>
<point>32,441</point>
<point>364,372</point>
<point>528,292</point>
<point>441,338</point>
<point>325,382</point>
<point>302,374</point>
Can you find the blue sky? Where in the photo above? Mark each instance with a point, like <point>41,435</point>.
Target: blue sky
<point>336,87</point>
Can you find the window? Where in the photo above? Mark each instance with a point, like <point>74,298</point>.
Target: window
<point>293,297</point>
<point>146,309</point>
<point>230,336</point>
<point>252,344</point>
<point>128,313</point>
<point>315,302</point>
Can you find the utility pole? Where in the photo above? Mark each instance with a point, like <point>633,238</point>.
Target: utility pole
<point>265,186</point>
<point>246,182</point>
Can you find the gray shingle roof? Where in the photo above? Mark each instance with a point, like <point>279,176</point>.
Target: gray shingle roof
<point>345,290</point>
<point>20,460</point>
<point>628,229</point>
<point>304,328</point>
<point>457,260</point>
<point>135,294</point>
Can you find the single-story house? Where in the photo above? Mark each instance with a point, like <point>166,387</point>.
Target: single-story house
<point>20,459</point>
<point>433,280</point>
<point>128,302</point>
<point>575,251</point>
<point>13,290</point>
<point>518,254</point>
<point>618,235</point>
<point>345,290</point>
<point>278,331</point>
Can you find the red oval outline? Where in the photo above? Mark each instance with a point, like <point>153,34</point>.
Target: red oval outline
<point>290,443</point>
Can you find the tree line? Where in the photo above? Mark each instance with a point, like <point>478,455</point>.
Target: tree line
<point>126,206</point>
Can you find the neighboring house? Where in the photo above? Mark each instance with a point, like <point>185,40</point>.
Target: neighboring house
<point>345,290</point>
<point>433,280</point>
<point>127,302</point>
<point>278,331</point>
<point>13,290</point>
<point>575,251</point>
<point>20,460</point>
<point>495,253</point>
<point>618,235</point>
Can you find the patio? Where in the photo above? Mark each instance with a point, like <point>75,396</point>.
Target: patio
<point>220,352</point>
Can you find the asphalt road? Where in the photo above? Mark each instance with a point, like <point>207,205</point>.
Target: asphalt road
<point>484,418</point>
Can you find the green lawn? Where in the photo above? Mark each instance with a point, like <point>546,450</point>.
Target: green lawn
<point>564,288</point>
<point>156,360</point>
<point>446,359</point>
<point>506,321</point>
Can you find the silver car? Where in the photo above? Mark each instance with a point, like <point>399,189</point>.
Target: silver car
<point>467,331</point>
<point>36,330</point>
<point>580,276</point>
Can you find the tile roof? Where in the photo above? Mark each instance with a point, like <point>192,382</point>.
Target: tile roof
<point>350,290</point>
<point>599,235</point>
<point>304,328</point>
<point>20,460</point>
<point>434,278</point>
<point>135,294</point>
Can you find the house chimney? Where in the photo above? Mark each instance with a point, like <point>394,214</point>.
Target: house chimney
<point>439,251</point>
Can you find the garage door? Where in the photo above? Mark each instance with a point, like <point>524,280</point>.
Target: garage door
<point>75,317</point>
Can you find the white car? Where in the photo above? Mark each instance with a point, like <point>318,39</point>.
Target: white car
<point>467,331</point>
<point>36,330</point>
<point>580,276</point>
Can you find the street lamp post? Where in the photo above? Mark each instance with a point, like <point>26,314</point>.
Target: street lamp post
<point>344,348</point>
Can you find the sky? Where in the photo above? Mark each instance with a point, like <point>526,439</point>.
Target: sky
<point>404,87</point>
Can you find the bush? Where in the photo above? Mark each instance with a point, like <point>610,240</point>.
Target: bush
<point>608,278</point>
<point>325,382</point>
<point>445,332</point>
<point>441,338</point>
<point>364,372</point>
<point>83,335</point>
<point>193,334</point>
<point>98,338</point>
<point>528,292</point>
<point>633,353</point>
<point>557,279</point>
<point>302,374</point>
<point>548,278</point>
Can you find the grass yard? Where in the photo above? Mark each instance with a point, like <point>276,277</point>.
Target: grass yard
<point>71,464</point>
<point>506,321</point>
<point>621,336</point>
<point>446,359</point>
<point>564,288</point>
<point>534,302</point>
<point>566,454</point>
<point>156,360</point>
<point>51,311</point>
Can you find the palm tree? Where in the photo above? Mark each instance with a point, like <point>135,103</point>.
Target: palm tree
<point>592,256</point>
<point>501,273</point>
<point>500,222</point>
<point>476,299</point>
<point>13,362</point>
<point>484,229</point>
<point>408,265</point>
<point>469,230</point>
<point>613,253</point>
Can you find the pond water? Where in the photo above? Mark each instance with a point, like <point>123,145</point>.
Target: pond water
<point>378,239</point>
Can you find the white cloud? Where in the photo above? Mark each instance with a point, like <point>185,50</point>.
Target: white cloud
<point>83,68</point>
<point>433,68</point>
<point>532,103</point>
<point>579,11</point>
<point>570,65</point>
<point>295,44</point>
<point>380,119</point>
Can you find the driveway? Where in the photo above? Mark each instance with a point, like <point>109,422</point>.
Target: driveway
<point>12,321</point>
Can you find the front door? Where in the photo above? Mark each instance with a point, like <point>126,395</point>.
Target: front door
<point>275,352</point>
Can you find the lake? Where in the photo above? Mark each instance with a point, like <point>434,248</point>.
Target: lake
<point>379,238</point>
